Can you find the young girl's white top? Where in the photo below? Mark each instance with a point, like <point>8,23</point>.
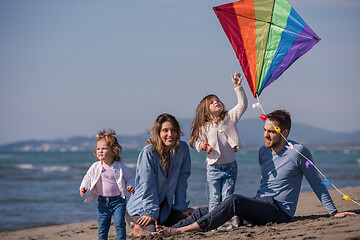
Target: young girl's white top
<point>209,133</point>
<point>122,174</point>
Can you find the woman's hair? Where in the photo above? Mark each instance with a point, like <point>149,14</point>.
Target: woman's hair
<point>109,137</point>
<point>282,117</point>
<point>202,116</point>
<point>155,138</point>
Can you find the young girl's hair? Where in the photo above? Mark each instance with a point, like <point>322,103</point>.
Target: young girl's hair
<point>155,138</point>
<point>109,137</point>
<point>202,116</point>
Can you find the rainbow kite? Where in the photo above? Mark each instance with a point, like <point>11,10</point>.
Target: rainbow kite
<point>267,36</point>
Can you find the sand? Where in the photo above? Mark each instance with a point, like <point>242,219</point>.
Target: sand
<point>311,222</point>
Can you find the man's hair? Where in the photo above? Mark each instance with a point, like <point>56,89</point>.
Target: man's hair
<point>282,117</point>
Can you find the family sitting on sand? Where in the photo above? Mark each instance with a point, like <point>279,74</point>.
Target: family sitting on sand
<point>159,205</point>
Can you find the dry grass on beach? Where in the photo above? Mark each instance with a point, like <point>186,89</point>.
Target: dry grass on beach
<point>311,222</point>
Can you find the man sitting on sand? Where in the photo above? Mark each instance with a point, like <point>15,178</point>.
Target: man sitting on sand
<point>282,170</point>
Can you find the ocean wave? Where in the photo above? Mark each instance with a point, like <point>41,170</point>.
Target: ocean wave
<point>26,166</point>
<point>56,169</point>
<point>131,165</point>
<point>347,151</point>
<point>6,156</point>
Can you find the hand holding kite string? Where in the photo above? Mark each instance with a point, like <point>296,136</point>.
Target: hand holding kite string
<point>205,147</point>
<point>209,149</point>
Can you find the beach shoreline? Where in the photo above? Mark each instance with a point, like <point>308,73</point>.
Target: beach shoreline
<point>311,222</point>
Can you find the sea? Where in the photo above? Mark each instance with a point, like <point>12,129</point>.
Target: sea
<point>42,188</point>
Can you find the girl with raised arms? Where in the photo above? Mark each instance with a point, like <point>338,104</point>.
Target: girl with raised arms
<point>214,130</point>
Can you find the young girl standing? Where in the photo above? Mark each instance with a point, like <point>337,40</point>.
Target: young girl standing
<point>108,180</point>
<point>214,130</point>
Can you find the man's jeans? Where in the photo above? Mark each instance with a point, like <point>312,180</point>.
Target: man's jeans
<point>221,181</point>
<point>107,207</point>
<point>259,211</point>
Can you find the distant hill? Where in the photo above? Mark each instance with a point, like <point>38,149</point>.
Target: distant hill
<point>250,130</point>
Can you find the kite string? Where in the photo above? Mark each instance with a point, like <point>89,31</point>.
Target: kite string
<point>258,104</point>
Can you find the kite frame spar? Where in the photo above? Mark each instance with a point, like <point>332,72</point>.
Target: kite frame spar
<point>267,37</point>
<point>271,23</point>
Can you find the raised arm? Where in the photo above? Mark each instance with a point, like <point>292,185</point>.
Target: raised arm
<point>237,79</point>
<point>242,102</point>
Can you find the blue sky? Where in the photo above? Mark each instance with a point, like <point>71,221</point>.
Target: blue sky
<point>75,67</point>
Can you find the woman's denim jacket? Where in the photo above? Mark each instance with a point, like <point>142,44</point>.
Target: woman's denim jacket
<point>153,186</point>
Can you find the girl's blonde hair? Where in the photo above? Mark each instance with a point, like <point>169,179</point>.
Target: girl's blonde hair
<point>109,137</point>
<point>203,116</point>
<point>155,138</point>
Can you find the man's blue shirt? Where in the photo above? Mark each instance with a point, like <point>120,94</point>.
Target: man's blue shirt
<point>281,177</point>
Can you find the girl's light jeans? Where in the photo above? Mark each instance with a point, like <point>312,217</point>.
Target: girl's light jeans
<point>107,207</point>
<point>221,181</point>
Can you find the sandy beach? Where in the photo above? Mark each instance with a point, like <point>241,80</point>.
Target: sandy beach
<point>311,222</point>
